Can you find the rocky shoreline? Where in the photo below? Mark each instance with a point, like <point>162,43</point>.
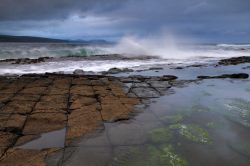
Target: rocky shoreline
<point>31,105</point>
<point>34,104</point>
<point>75,58</point>
<point>224,62</point>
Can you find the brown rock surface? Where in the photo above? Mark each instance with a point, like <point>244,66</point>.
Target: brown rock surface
<point>22,157</point>
<point>82,121</point>
<point>44,122</point>
<point>35,104</point>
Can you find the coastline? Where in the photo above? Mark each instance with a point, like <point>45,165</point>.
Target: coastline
<point>35,104</point>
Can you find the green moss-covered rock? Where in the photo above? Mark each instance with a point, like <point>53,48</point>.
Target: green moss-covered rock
<point>160,135</point>
<point>163,155</point>
<point>192,132</point>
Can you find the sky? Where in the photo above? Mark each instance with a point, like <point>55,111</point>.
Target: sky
<point>202,20</point>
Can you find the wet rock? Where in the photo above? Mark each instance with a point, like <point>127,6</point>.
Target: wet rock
<point>34,104</point>
<point>26,60</point>
<point>196,65</point>
<point>242,149</point>
<point>161,135</point>
<point>24,157</point>
<point>233,76</point>
<point>247,67</point>
<point>127,70</point>
<point>239,111</point>
<point>192,132</point>
<point>44,122</point>
<point>117,71</point>
<point>178,68</point>
<point>168,77</point>
<point>173,119</point>
<point>79,72</point>
<point>156,68</point>
<point>159,84</point>
<point>114,71</point>
<point>158,155</point>
<point>235,60</point>
<point>7,139</point>
<point>82,121</point>
<point>145,92</point>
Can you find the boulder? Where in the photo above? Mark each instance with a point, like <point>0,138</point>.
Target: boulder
<point>78,72</point>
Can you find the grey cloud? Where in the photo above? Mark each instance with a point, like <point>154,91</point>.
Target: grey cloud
<point>200,18</point>
<point>50,9</point>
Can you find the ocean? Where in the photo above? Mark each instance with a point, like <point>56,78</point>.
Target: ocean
<point>160,55</point>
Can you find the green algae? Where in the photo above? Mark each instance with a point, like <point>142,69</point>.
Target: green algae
<point>173,119</point>
<point>215,125</point>
<point>168,156</point>
<point>199,108</point>
<point>160,135</point>
<point>192,132</point>
<point>239,110</point>
<point>164,155</point>
<point>211,125</point>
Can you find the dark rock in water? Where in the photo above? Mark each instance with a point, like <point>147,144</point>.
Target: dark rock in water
<point>159,84</point>
<point>190,66</point>
<point>79,72</point>
<point>58,72</point>
<point>114,70</point>
<point>235,61</point>
<point>144,92</point>
<point>247,67</point>
<point>127,70</point>
<point>195,65</point>
<point>107,57</point>
<point>156,68</point>
<point>90,73</point>
<point>178,68</point>
<point>26,60</point>
<point>233,76</point>
<point>117,70</point>
<point>168,77</point>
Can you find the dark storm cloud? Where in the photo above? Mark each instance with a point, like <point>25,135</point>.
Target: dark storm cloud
<point>208,19</point>
<point>50,9</point>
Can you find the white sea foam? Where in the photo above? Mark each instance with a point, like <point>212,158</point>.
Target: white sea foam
<point>168,47</point>
<point>70,66</point>
<point>164,46</point>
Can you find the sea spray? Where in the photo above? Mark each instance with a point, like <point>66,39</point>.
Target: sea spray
<point>170,47</point>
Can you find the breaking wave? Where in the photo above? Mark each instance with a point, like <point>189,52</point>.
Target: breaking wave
<point>33,50</point>
<point>168,47</point>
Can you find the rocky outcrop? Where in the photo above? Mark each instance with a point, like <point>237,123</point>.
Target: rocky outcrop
<point>235,60</point>
<point>78,72</point>
<point>34,104</point>
<point>232,76</point>
<point>26,60</point>
<point>118,70</point>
